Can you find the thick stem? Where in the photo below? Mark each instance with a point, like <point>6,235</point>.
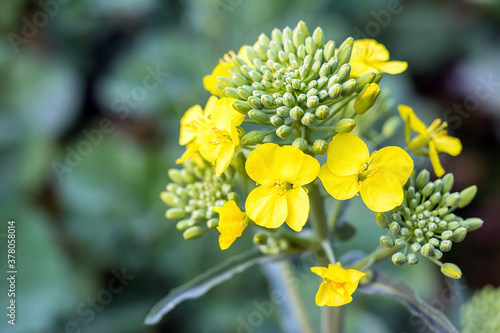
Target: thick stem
<point>318,218</point>
<point>377,255</point>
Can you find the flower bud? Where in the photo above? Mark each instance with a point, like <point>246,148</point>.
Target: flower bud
<point>387,241</point>
<point>348,87</point>
<point>344,72</point>
<point>467,195</point>
<point>459,234</point>
<point>258,116</point>
<point>176,176</point>
<point>284,131</point>
<point>400,243</point>
<point>445,245</point>
<point>193,233</point>
<point>364,80</point>
<point>319,147</point>
<point>277,121</point>
<point>310,46</point>
<point>329,50</point>
<point>213,223</point>
<point>233,196</point>
<point>322,112</point>
<point>412,259</point>
<point>398,258</point>
<point>308,119</point>
<point>423,178</point>
<point>283,111</point>
<point>312,101</point>
<point>394,228</point>
<point>300,143</point>
<point>260,238</point>
<point>447,182</point>
<point>239,80</point>
<point>175,213</point>
<point>345,125</point>
<point>366,98</point>
<point>241,107</point>
<point>427,250</point>
<point>296,113</point>
<point>335,91</point>
<point>475,223</point>
<point>437,254</point>
<point>382,220</point>
<point>170,199</point>
<point>453,199</point>
<point>447,234</point>
<point>198,215</point>
<point>435,198</point>
<point>415,247</point>
<point>184,224</point>
<point>301,99</point>
<point>428,189</point>
<point>288,99</point>
<point>451,270</point>
<point>252,138</point>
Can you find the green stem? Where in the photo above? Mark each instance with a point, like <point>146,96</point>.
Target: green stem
<point>377,255</point>
<point>296,303</point>
<point>318,218</point>
<point>338,207</point>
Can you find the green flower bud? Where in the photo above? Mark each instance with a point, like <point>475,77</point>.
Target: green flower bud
<point>322,112</point>
<point>176,176</point>
<point>335,91</point>
<point>301,99</point>
<point>467,195</point>
<point>239,80</point>
<point>450,217</point>
<point>451,270</point>
<point>255,103</point>
<point>382,220</point>
<point>412,259</point>
<point>277,120</point>
<point>428,189</point>
<point>348,87</point>
<point>447,182</point>
<point>255,76</point>
<point>344,72</point>
<point>366,98</point>
<point>378,77</point>
<point>435,198</point>
<point>447,234</point>
<point>170,198</point>
<point>267,100</point>
<point>172,187</point>
<point>310,46</point>
<point>322,82</point>
<point>258,86</point>
<point>453,225</point>
<point>273,55</point>
<point>459,234</point>
<point>364,80</point>
<point>398,258</point>
<point>193,233</point>
<point>231,92</point>
<point>387,241</point>
<point>226,82</point>
<point>283,111</point>
<point>213,223</point>
<point>475,223</point>
<point>317,37</point>
<point>284,131</point>
<point>260,238</point>
<point>296,113</point>
<point>198,215</point>
<point>252,138</point>
<point>427,250</point>
<point>324,70</point>
<point>258,116</point>
<point>319,147</point>
<point>394,228</point>
<point>175,213</point>
<point>276,36</point>
<point>184,224</point>
<point>210,214</point>
<point>415,247</point>
<point>453,199</point>
<point>434,242</point>
<point>437,254</point>
<point>241,107</point>
<point>308,119</point>
<point>438,185</point>
<point>445,245</point>
<point>312,102</point>
<point>244,93</point>
<point>300,143</point>
<point>400,243</point>
<point>298,38</point>
<point>289,100</point>
<point>288,47</point>
<point>404,232</point>
<point>329,50</point>
<point>422,179</point>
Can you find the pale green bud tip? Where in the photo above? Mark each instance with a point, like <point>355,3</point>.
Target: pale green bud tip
<point>451,270</point>
<point>345,125</point>
<point>467,195</point>
<point>252,138</point>
<point>176,176</point>
<point>168,198</point>
<point>475,223</point>
<point>175,213</point>
<point>382,220</point>
<point>300,143</point>
<point>366,98</point>
<point>319,147</point>
<point>260,238</point>
<point>193,233</point>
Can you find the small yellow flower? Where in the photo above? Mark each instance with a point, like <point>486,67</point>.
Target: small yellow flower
<point>434,138</point>
<point>193,119</point>
<point>370,56</point>
<point>222,69</point>
<point>192,151</point>
<point>281,171</point>
<point>218,139</point>
<point>338,284</point>
<point>379,177</point>
<point>231,223</point>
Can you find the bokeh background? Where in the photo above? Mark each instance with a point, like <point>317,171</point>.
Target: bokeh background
<point>91,94</point>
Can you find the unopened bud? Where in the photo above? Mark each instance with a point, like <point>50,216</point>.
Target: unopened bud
<point>387,241</point>
<point>322,112</point>
<point>296,113</point>
<point>364,80</point>
<point>467,195</point>
<point>447,182</point>
<point>345,125</point>
<point>284,131</point>
<point>260,238</point>
<point>233,196</point>
<point>300,143</point>
<point>193,233</point>
<point>412,259</point>
<point>427,250</point>
<point>459,234</point>
<point>348,87</point>
<point>184,224</point>
<point>241,107</point>
<point>423,178</point>
<point>319,147</point>
<point>475,223</point>
<point>366,98</point>
<point>398,258</point>
<point>453,199</point>
<point>258,116</point>
<point>169,198</point>
<point>175,213</point>
<point>176,176</point>
<point>445,245</point>
<point>382,220</point>
<point>308,119</point>
<point>451,270</point>
<point>277,120</point>
<point>252,138</point>
<point>213,223</point>
<point>335,91</point>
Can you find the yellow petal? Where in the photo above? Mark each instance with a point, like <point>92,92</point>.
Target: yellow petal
<point>391,67</point>
<point>209,82</point>
<point>294,166</point>
<point>231,226</point>
<point>189,124</point>
<point>394,161</point>
<point>224,157</point>
<point>212,101</point>
<point>353,277</point>
<point>191,150</point>
<point>346,154</point>
<point>321,271</point>
<point>382,192</point>
<point>448,144</point>
<point>266,207</point>
<point>359,68</point>
<point>208,150</point>
<point>329,295</point>
<point>341,188</point>
<point>410,117</point>
<point>260,164</point>
<point>436,164</point>
<point>298,208</point>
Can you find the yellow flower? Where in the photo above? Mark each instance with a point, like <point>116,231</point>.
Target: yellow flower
<point>194,118</point>
<point>379,177</point>
<point>370,56</point>
<point>192,151</point>
<point>231,223</point>
<point>434,138</point>
<point>222,69</point>
<point>281,172</point>
<point>338,284</point>
<point>218,139</point>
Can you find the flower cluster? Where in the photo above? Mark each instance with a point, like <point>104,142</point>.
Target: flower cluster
<point>425,222</point>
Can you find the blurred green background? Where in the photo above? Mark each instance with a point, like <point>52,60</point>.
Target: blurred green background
<point>90,101</point>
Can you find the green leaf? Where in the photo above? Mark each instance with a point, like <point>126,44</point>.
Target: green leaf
<point>204,282</point>
<point>384,285</point>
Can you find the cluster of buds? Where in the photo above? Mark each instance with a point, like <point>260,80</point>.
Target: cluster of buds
<point>425,222</point>
<point>291,81</point>
<point>193,194</point>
